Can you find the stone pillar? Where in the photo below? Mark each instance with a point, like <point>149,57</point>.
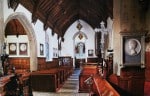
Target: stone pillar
<point>1,31</point>
<point>116,36</point>
<point>1,25</point>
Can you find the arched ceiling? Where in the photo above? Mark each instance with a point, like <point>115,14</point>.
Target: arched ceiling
<point>60,14</point>
<point>14,27</point>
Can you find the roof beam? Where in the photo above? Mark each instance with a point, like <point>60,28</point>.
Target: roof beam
<point>34,12</point>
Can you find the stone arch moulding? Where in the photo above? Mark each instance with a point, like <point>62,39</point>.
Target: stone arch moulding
<point>31,36</point>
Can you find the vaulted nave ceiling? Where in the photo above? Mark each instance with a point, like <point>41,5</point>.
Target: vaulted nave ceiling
<point>60,14</point>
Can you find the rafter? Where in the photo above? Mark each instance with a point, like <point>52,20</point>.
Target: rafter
<point>35,8</point>
<point>60,14</point>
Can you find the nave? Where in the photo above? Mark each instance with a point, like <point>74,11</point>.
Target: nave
<point>70,87</point>
<point>47,39</point>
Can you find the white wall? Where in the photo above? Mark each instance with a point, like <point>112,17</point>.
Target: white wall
<point>14,39</point>
<point>68,44</point>
<point>40,34</point>
<point>38,29</point>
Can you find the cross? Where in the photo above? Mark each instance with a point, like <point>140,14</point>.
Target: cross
<point>104,32</point>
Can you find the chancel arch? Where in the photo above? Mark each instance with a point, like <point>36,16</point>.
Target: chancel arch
<point>30,34</point>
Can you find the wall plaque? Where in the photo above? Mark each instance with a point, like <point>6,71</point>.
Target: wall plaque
<point>133,49</point>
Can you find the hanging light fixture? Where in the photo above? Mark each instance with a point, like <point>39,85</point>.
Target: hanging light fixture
<point>79,26</point>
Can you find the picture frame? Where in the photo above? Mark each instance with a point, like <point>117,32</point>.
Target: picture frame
<point>23,49</point>
<point>55,53</point>
<point>41,49</point>
<point>133,50</point>
<point>12,48</point>
<point>90,52</point>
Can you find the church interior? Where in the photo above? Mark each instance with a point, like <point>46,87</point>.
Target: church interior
<point>74,48</point>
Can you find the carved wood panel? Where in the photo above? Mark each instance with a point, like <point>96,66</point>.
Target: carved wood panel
<point>20,62</point>
<point>147,71</point>
<point>132,80</point>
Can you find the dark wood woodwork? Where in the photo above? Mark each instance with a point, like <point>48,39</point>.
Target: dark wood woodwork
<point>98,86</point>
<point>65,61</point>
<point>79,62</point>
<point>92,60</point>
<point>3,82</point>
<point>53,64</point>
<point>109,67</point>
<point>11,86</point>
<point>49,79</point>
<point>34,14</point>
<point>147,70</point>
<point>97,44</point>
<point>86,72</point>
<point>18,81</point>
<point>24,82</point>
<point>20,62</point>
<point>62,61</point>
<point>43,64</point>
<point>58,15</point>
<point>53,74</point>
<point>132,80</point>
<point>16,84</point>
<point>14,27</point>
<point>103,88</point>
<point>52,79</point>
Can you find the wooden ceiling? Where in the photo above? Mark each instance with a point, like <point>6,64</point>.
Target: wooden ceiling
<point>14,27</point>
<point>60,14</point>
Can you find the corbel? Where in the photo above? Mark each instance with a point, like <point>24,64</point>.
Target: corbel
<point>13,4</point>
<point>35,9</point>
<point>46,21</point>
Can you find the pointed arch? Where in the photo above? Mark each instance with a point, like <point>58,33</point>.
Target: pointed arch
<point>74,36</point>
<point>31,36</point>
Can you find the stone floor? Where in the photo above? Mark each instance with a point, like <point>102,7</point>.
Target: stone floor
<point>70,87</point>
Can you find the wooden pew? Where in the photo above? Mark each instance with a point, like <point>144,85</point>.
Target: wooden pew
<point>103,88</point>
<point>50,80</point>
<point>24,82</point>
<point>45,80</point>
<point>90,81</point>
<point>3,83</point>
<point>86,72</point>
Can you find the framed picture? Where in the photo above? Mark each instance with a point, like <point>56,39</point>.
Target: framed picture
<point>12,48</point>
<point>133,50</point>
<point>90,52</point>
<point>23,48</point>
<point>55,53</point>
<point>41,49</point>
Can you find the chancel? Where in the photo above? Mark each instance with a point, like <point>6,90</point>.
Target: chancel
<point>74,47</point>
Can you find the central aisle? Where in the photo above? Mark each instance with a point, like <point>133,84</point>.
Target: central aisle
<point>70,87</point>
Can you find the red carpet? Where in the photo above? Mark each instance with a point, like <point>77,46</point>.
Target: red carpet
<point>147,89</point>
